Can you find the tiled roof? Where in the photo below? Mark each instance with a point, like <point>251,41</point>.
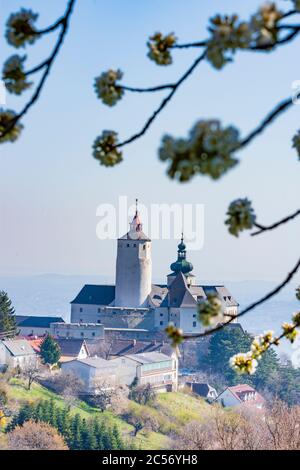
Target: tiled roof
<point>36,344</point>
<point>98,363</point>
<point>201,389</point>
<point>158,294</point>
<point>125,347</point>
<point>241,391</point>
<point>39,322</point>
<point>20,318</point>
<point>18,347</point>
<point>95,295</point>
<point>70,347</point>
<point>148,357</point>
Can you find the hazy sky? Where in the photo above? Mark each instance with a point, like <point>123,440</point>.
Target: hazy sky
<point>50,185</point>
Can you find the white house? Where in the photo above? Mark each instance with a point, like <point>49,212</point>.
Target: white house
<point>72,349</point>
<point>241,395</point>
<point>159,370</point>
<point>204,390</point>
<point>16,352</point>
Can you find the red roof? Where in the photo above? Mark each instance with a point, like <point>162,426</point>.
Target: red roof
<point>35,343</point>
<point>246,394</point>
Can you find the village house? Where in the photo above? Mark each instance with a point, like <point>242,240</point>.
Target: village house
<point>72,349</point>
<point>16,352</point>
<point>204,390</point>
<point>241,395</point>
<point>159,370</point>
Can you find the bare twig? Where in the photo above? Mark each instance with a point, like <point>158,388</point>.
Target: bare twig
<point>64,23</point>
<point>264,228</point>
<point>190,45</point>
<point>149,90</point>
<point>250,307</point>
<point>164,102</point>
<point>279,109</point>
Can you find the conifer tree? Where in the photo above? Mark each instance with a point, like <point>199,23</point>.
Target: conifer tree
<point>75,442</point>
<point>50,351</point>
<point>8,324</point>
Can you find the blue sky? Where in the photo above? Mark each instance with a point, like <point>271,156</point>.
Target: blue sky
<point>51,186</point>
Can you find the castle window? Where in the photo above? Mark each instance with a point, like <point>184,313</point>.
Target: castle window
<point>161,323</point>
<point>161,314</point>
<point>82,334</point>
<point>194,316</point>
<point>134,245</point>
<point>128,245</point>
<point>80,321</point>
<point>99,310</point>
<point>194,324</point>
<point>93,334</point>
<point>81,310</point>
<point>98,321</point>
<point>144,247</point>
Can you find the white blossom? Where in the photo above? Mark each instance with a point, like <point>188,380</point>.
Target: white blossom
<point>228,35</point>
<point>106,87</point>
<point>14,76</point>
<point>243,363</point>
<point>208,150</point>
<point>6,116</point>
<point>20,28</point>
<point>159,48</point>
<point>241,216</point>
<point>105,150</point>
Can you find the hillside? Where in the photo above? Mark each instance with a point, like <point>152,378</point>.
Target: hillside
<point>170,412</point>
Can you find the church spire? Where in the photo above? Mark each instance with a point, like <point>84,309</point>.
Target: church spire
<point>181,265</point>
<point>136,225</point>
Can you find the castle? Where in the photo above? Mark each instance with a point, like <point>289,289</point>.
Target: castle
<point>135,303</point>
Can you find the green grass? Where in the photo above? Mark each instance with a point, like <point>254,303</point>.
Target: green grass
<point>152,441</point>
<point>171,411</point>
<point>18,393</point>
<point>181,408</point>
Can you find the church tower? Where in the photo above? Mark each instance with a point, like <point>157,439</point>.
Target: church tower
<point>181,265</point>
<point>134,267</point>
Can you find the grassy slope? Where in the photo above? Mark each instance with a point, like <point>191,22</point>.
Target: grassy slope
<point>172,411</point>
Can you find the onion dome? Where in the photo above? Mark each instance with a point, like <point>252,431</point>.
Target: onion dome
<point>181,265</point>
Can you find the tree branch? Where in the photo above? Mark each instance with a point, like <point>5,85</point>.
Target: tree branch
<point>164,102</point>
<point>64,22</point>
<point>264,228</point>
<point>279,109</point>
<point>148,90</point>
<point>250,307</point>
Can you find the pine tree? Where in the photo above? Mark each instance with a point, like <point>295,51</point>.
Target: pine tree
<point>26,412</point>
<point>50,351</point>
<point>75,441</point>
<point>118,439</point>
<point>98,430</point>
<point>8,324</point>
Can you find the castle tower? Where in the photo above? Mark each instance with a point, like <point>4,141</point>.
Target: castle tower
<point>134,267</point>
